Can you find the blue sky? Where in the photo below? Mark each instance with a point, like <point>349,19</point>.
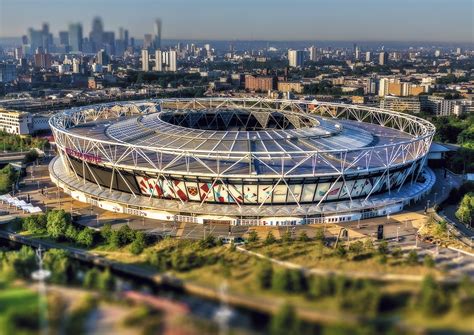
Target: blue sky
<point>358,20</point>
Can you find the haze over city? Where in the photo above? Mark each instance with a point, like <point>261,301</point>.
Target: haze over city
<point>346,20</point>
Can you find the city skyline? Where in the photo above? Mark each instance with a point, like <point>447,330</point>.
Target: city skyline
<point>341,20</point>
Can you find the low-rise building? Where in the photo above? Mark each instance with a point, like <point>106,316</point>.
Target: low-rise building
<point>288,86</point>
<point>260,83</point>
<point>15,122</point>
<point>401,104</point>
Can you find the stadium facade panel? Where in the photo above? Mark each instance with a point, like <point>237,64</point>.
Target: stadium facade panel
<point>246,155</point>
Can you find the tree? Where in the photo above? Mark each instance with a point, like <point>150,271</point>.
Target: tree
<point>71,233</point>
<point>320,286</point>
<point>285,322</point>
<point>86,237</point>
<point>58,221</point>
<point>303,237</point>
<point>383,248</point>
<point>35,224</point>
<point>428,261</point>
<point>465,211</point>
<point>90,278</point>
<point>138,244</point>
<point>298,281</point>
<point>58,262</point>
<point>432,299</point>
<point>106,281</point>
<point>341,251</point>
<point>270,239</point>
<point>106,232</point>
<point>265,274</point>
<point>319,235</point>
<point>8,176</point>
<point>253,236</point>
<point>287,238</point>
<point>356,248</point>
<point>281,280</point>
<point>441,228</point>
<point>412,258</point>
<point>369,246</point>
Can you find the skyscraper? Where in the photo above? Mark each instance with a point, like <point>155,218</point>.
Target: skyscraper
<point>145,60</point>
<point>295,58</point>
<point>102,57</point>
<point>368,56</point>
<point>75,37</point>
<point>383,58</point>
<point>313,55</point>
<point>157,40</point>
<point>97,33</point>
<point>173,54</point>
<point>158,61</point>
<point>63,38</point>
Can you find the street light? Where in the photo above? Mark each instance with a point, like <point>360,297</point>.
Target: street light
<point>398,239</point>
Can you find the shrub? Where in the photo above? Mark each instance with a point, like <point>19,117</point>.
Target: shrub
<point>383,248</point>
<point>265,274</point>
<point>303,237</point>
<point>412,258</point>
<point>253,236</point>
<point>356,248</point>
<point>270,239</point>
<point>138,244</point>
<point>85,237</point>
<point>35,224</point>
<point>285,322</point>
<point>428,261</point>
<point>341,251</point>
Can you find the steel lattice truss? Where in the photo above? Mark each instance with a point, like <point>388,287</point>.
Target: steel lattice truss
<point>221,165</point>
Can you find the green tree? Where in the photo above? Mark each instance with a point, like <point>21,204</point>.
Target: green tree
<point>465,211</point>
<point>383,248</point>
<point>432,299</point>
<point>35,224</point>
<point>138,244</point>
<point>58,221</point>
<point>253,236</point>
<point>412,258</point>
<point>85,237</point>
<point>442,228</point>
<point>356,248</point>
<point>319,235</point>
<point>71,233</point>
<point>303,236</point>
<point>270,239</point>
<point>106,232</point>
<point>428,261</point>
<point>287,237</point>
<point>265,274</point>
<point>91,278</point>
<point>58,262</point>
<point>341,251</point>
<point>285,322</point>
<point>369,246</point>
<point>24,262</point>
<point>320,286</point>
<point>8,176</point>
<point>298,281</point>
<point>106,281</point>
<point>281,280</point>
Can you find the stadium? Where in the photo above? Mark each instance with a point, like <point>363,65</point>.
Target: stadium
<point>243,161</point>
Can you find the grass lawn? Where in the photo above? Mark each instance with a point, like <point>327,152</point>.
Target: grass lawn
<point>15,298</point>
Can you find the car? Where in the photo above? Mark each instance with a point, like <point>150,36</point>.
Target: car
<point>231,239</point>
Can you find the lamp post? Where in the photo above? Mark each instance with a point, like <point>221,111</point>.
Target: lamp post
<point>41,275</point>
<point>398,236</point>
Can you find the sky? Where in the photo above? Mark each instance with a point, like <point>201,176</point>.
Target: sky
<point>285,20</point>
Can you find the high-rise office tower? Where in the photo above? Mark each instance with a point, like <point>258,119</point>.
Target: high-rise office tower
<point>313,53</point>
<point>63,38</point>
<point>147,41</point>
<point>158,61</point>
<point>295,58</point>
<point>97,33</point>
<point>75,37</point>
<point>173,57</point>
<point>383,58</point>
<point>145,60</point>
<point>102,57</point>
<point>157,40</point>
